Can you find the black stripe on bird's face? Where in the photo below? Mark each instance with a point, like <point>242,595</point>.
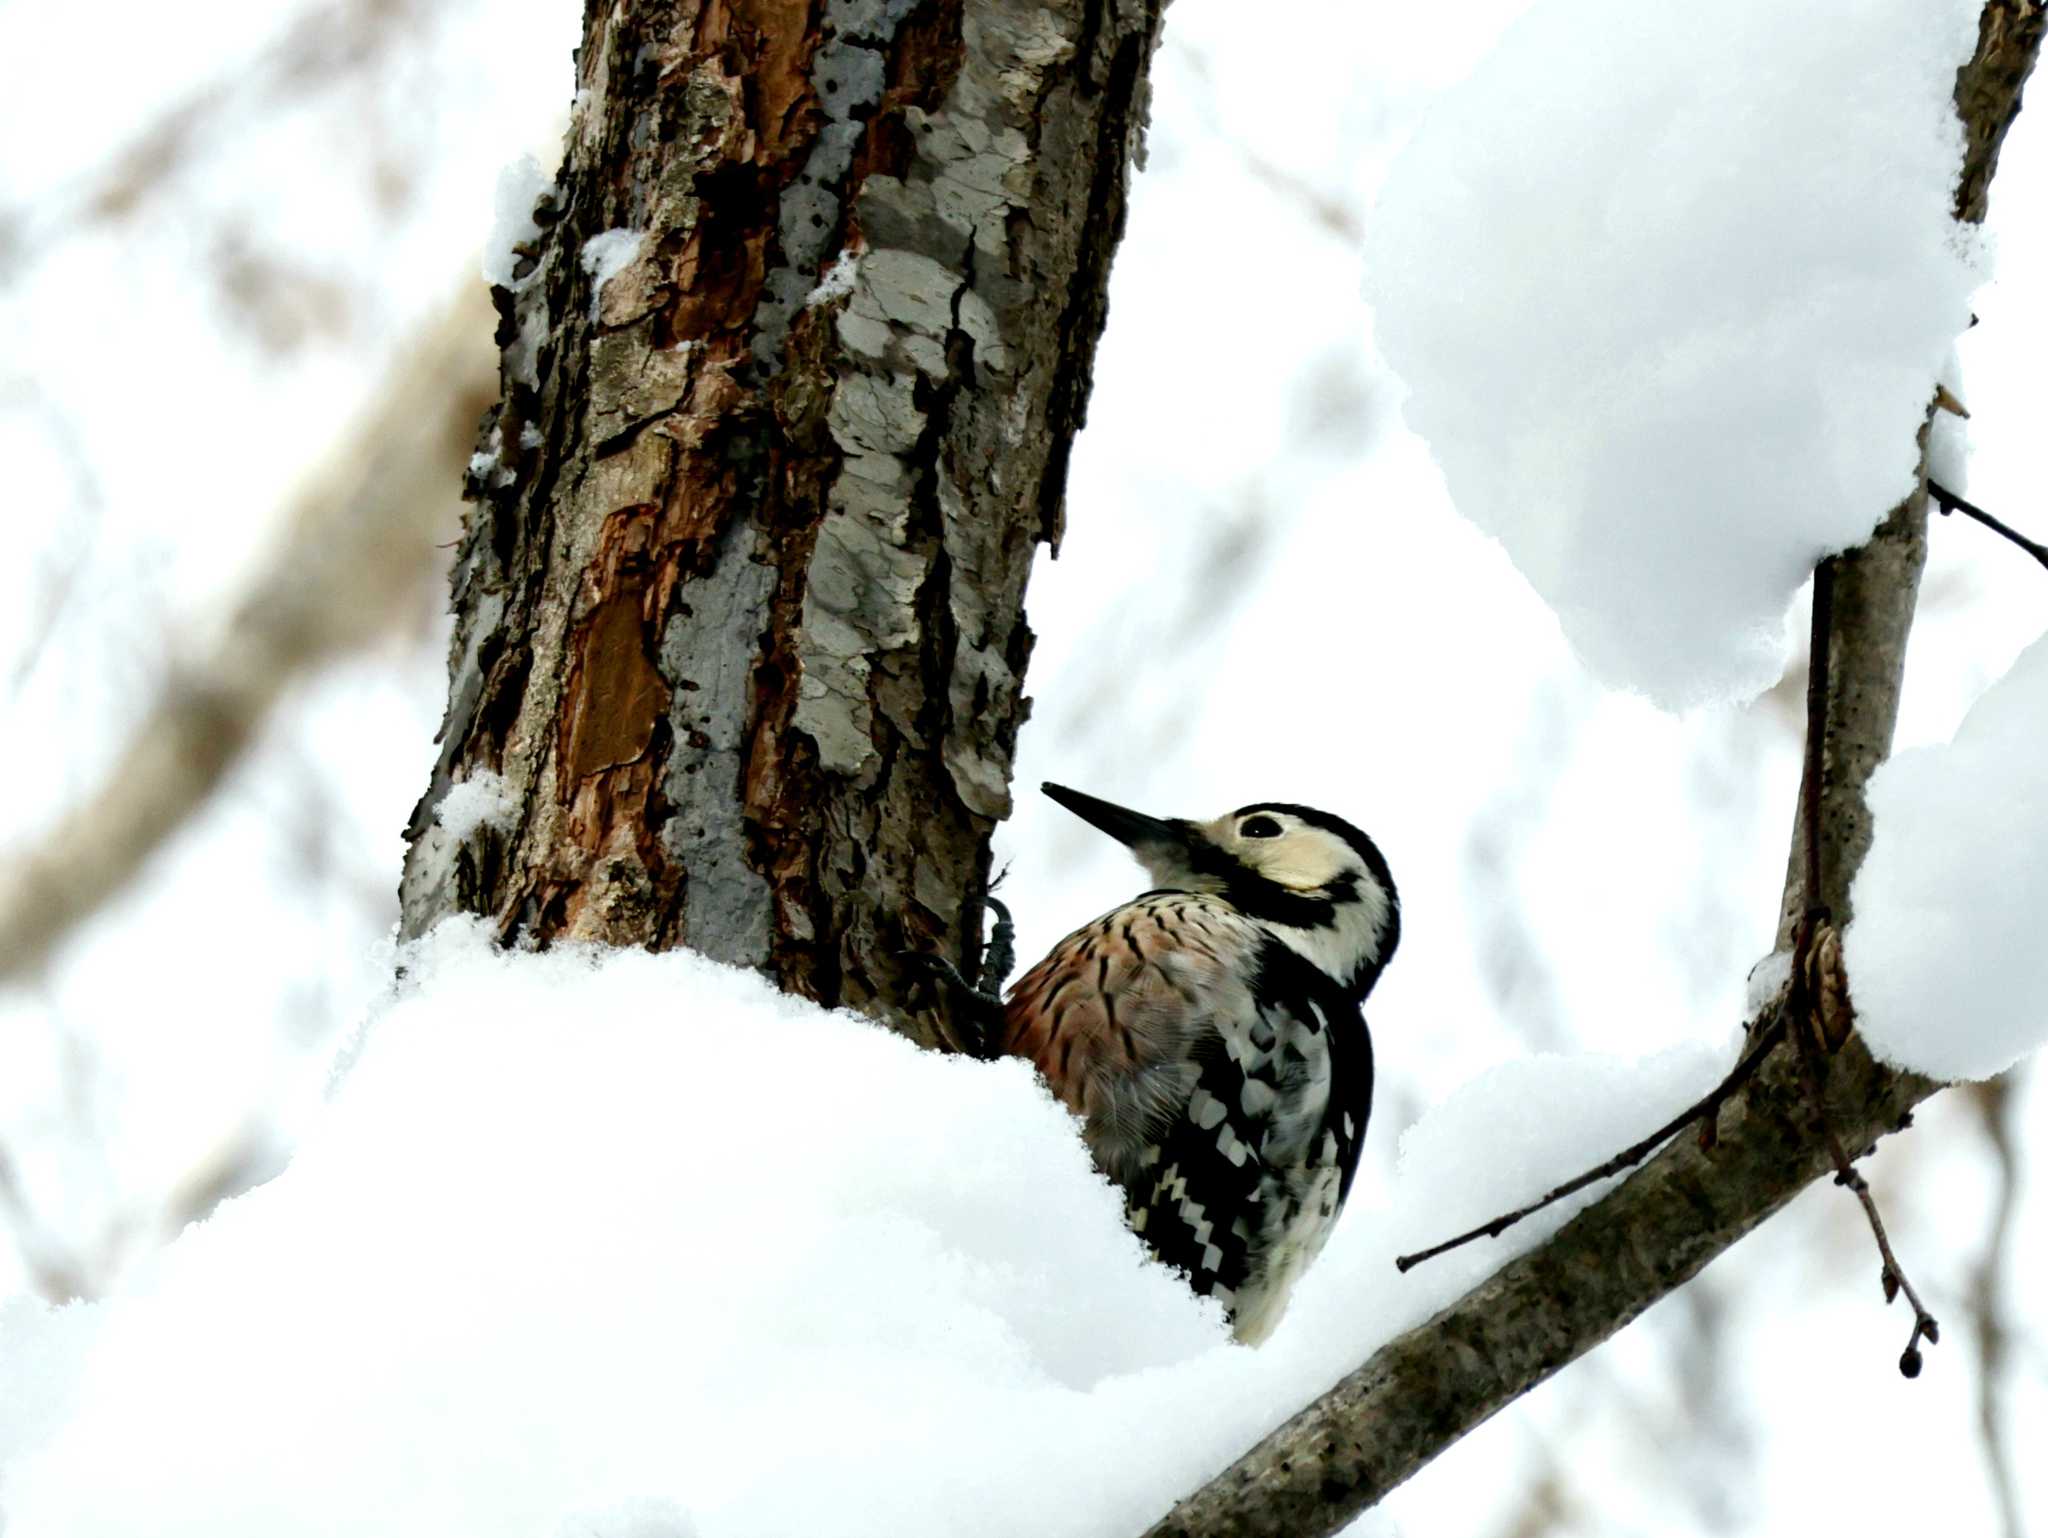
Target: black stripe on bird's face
<point>1260,897</point>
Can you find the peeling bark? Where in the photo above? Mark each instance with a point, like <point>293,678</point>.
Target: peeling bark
<point>740,601</point>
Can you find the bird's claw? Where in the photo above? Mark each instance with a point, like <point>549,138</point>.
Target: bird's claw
<point>1000,954</point>
<point>983,1009</point>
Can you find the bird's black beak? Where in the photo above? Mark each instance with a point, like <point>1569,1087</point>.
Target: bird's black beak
<point>1132,829</point>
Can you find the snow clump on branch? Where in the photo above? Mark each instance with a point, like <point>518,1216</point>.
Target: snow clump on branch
<point>1947,968</point>
<point>1670,289</point>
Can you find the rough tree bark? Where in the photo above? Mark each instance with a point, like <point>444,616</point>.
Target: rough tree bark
<point>1425,1389</point>
<point>739,607</point>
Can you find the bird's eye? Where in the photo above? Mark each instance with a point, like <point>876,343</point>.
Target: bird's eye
<point>1258,827</point>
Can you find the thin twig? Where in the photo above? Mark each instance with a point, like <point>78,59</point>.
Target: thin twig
<point>1708,1106</point>
<point>1335,216</point>
<point>1893,1276</point>
<point>1949,502</point>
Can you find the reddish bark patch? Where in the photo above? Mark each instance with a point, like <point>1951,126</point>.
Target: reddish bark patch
<point>923,64</point>
<point>718,277</point>
<point>615,695</point>
<point>768,44</point>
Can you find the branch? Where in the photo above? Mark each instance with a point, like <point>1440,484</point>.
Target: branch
<point>1988,94</point>
<point>1813,773</point>
<point>1814,947</point>
<point>356,549</point>
<point>1426,1388</point>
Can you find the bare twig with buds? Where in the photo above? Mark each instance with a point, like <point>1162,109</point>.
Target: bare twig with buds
<point>1706,1111</point>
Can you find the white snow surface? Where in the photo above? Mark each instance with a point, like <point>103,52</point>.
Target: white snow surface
<point>520,185</point>
<point>838,279</point>
<point>1948,437</point>
<point>631,1245</point>
<point>1669,326</point>
<point>1947,966</point>
<point>489,468</point>
<point>484,799</point>
<point>1767,979</point>
<point>1948,453</point>
<point>607,254</point>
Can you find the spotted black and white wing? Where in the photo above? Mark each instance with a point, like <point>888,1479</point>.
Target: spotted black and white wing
<point>1223,1083</point>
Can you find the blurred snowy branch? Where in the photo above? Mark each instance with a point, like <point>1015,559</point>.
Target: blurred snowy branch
<point>1334,215</point>
<point>356,549</point>
<point>333,48</point>
<point>1994,1101</point>
<point>59,587</point>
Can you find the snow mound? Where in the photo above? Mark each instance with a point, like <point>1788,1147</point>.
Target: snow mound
<point>482,800</point>
<point>582,1232</point>
<point>631,1245</point>
<point>1670,289</point>
<point>1946,963</point>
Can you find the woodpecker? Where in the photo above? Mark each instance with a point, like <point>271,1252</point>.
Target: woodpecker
<point>1208,1034</point>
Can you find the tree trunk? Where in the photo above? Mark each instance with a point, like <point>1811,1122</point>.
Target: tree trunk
<point>739,606</point>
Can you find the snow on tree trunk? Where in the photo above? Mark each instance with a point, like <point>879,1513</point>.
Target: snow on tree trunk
<point>793,354</point>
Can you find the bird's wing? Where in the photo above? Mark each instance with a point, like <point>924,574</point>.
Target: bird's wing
<point>1196,1077</point>
<point>1116,1013</point>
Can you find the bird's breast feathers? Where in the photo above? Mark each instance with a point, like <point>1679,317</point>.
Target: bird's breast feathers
<point>1177,1008</point>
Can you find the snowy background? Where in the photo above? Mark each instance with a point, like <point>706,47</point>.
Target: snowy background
<point>1264,594</point>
